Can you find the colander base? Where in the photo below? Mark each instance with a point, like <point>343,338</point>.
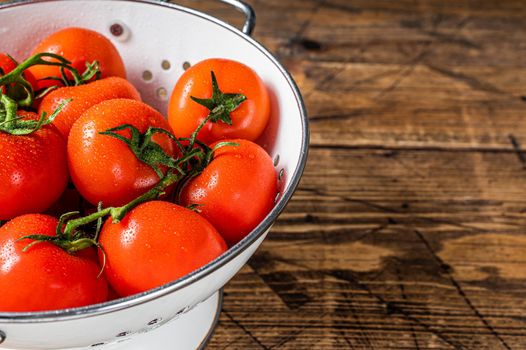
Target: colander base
<point>191,330</point>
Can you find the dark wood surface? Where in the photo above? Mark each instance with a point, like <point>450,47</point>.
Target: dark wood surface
<point>408,228</point>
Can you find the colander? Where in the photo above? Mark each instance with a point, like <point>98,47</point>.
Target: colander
<point>158,41</point>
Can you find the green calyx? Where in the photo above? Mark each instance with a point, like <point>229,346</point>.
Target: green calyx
<point>21,91</point>
<point>13,124</point>
<point>71,242</point>
<point>145,149</point>
<point>220,106</point>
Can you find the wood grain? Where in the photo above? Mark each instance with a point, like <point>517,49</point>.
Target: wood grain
<point>407,231</point>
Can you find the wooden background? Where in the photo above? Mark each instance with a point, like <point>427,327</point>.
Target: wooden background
<point>407,231</point>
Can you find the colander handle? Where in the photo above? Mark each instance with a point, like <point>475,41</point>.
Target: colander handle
<point>246,9</point>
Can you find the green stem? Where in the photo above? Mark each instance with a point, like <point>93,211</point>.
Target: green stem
<point>196,131</point>
<point>72,225</point>
<point>15,75</point>
<point>118,213</point>
<point>10,107</point>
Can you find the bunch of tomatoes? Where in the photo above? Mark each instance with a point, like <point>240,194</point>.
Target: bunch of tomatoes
<point>100,195</point>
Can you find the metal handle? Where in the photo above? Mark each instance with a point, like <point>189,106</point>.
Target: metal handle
<point>246,9</point>
<point>250,15</point>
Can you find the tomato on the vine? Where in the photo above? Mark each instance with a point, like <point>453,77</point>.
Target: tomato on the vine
<point>44,277</point>
<point>6,64</point>
<point>83,97</point>
<point>248,120</point>
<point>33,171</point>
<point>236,190</point>
<point>104,168</point>
<point>156,243</point>
<point>79,46</point>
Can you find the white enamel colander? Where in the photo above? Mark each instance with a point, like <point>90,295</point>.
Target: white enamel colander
<point>157,41</point>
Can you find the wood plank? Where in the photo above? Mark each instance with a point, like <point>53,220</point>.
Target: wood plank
<point>405,248</point>
<point>407,231</point>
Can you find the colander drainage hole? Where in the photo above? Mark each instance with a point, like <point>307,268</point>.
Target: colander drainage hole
<point>276,160</point>
<point>97,344</point>
<point>186,65</point>
<point>166,65</point>
<point>281,173</point>
<point>116,29</point>
<point>2,337</point>
<point>122,334</point>
<point>119,31</point>
<point>162,94</point>
<point>147,75</point>
<point>155,321</point>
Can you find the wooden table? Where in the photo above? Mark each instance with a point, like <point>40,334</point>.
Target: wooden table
<point>408,228</point>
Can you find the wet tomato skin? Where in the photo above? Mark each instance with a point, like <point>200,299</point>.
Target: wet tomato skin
<point>33,171</point>
<point>104,168</point>
<point>156,243</point>
<point>79,46</point>
<point>248,120</point>
<point>236,190</point>
<point>82,98</point>
<point>44,277</point>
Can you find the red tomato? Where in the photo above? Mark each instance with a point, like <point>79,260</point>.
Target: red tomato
<point>104,168</point>
<point>249,119</point>
<point>236,190</point>
<point>79,46</point>
<point>156,243</point>
<point>6,65</point>
<point>33,170</point>
<point>83,97</point>
<point>44,277</point>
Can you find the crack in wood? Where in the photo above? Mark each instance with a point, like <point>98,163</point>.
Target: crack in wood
<point>385,209</point>
<point>473,82</point>
<point>396,310</point>
<point>245,330</point>
<point>404,297</point>
<point>517,147</point>
<point>363,333</point>
<point>461,292</point>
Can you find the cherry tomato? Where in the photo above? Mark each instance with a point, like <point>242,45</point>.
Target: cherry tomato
<point>249,119</point>
<point>83,97</point>
<point>104,168</point>
<point>79,46</point>
<point>236,190</point>
<point>33,170</point>
<point>156,243</point>
<point>44,277</point>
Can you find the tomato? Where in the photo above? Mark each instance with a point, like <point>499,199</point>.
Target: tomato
<point>44,277</point>
<point>249,119</point>
<point>156,243</point>
<point>79,46</point>
<point>83,97</point>
<point>104,168</point>
<point>236,190</point>
<point>33,171</point>
<point>6,66</point>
